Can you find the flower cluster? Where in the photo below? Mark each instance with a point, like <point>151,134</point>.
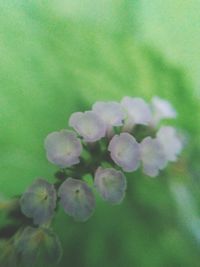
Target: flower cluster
<point>105,142</point>
<point>117,138</point>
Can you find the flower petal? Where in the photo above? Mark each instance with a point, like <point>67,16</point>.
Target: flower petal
<point>77,199</point>
<point>89,125</point>
<point>138,111</point>
<point>125,151</point>
<point>38,246</point>
<point>162,109</point>
<point>171,143</point>
<point>152,156</point>
<point>111,112</point>
<point>39,201</point>
<point>111,184</point>
<point>63,148</point>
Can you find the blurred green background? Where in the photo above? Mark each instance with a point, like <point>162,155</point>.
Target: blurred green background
<point>60,56</point>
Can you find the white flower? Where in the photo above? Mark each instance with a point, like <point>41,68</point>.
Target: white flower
<point>89,125</point>
<point>125,151</point>
<point>63,148</point>
<point>138,111</point>
<point>77,199</point>
<point>39,201</point>
<point>171,143</point>
<point>111,184</point>
<point>152,156</point>
<point>162,109</point>
<point>111,112</point>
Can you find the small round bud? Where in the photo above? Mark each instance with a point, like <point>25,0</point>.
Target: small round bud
<point>111,184</point>
<point>77,199</point>
<point>39,201</point>
<point>63,148</point>
<point>125,151</point>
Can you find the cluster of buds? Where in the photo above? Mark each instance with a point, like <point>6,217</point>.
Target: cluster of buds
<point>105,142</point>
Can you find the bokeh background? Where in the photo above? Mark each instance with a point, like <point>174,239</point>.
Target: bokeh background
<point>60,56</point>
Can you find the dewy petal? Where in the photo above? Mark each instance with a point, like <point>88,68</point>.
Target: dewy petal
<point>152,156</point>
<point>63,148</point>
<point>171,143</point>
<point>138,111</point>
<point>39,201</point>
<point>111,112</point>
<point>111,184</point>
<point>77,199</point>
<point>89,125</point>
<point>38,246</point>
<point>162,109</point>
<point>125,151</point>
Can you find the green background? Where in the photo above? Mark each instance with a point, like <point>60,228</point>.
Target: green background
<point>57,57</point>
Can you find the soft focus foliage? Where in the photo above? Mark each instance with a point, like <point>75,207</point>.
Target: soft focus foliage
<point>58,57</point>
